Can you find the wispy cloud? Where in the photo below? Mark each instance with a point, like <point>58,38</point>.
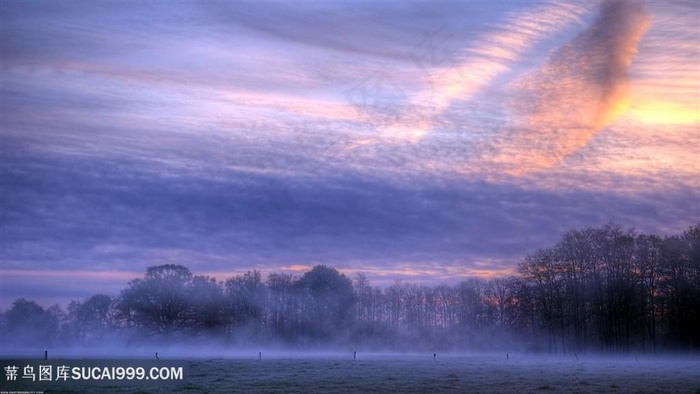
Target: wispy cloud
<point>582,88</point>
<point>474,67</point>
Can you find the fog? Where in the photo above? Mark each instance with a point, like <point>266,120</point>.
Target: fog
<point>598,291</point>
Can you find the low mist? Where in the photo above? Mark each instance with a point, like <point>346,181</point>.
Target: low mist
<point>598,291</point>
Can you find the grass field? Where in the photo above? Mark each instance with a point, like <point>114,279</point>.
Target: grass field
<point>417,374</point>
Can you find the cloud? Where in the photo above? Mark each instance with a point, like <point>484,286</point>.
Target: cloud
<point>51,286</point>
<point>582,88</point>
<point>368,32</point>
<point>121,211</point>
<point>458,74</point>
<point>216,136</point>
<point>664,80</point>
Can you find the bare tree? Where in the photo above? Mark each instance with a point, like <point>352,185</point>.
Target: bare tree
<point>245,304</point>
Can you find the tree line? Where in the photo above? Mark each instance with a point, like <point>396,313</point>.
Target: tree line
<point>599,289</point>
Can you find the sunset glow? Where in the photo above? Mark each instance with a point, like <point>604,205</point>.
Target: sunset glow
<point>665,113</point>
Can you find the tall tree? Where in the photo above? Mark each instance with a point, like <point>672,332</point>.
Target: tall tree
<point>91,320</point>
<point>29,324</point>
<point>160,302</point>
<point>245,296</point>
<point>207,303</point>
<point>283,316</point>
<point>329,301</point>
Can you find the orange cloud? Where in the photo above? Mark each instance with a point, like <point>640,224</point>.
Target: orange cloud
<point>581,89</point>
<point>430,272</point>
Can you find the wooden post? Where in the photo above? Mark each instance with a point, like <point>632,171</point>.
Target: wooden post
<point>46,354</point>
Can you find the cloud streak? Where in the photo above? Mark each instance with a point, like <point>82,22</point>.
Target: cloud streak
<point>463,72</point>
<point>582,88</point>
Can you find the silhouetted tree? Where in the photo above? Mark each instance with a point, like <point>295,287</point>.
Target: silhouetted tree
<point>328,301</point>
<point>208,306</point>
<point>648,262</point>
<point>245,303</point>
<point>282,306</point>
<point>681,290</point>
<point>27,323</point>
<point>159,303</point>
<point>92,319</point>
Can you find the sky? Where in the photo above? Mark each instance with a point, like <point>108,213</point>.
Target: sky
<point>428,142</point>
